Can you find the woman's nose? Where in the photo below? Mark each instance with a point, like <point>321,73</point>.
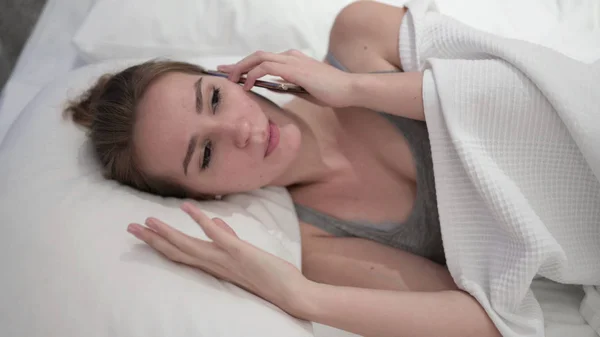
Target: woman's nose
<point>239,131</point>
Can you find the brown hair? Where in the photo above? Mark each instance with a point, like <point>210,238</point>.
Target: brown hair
<point>108,111</point>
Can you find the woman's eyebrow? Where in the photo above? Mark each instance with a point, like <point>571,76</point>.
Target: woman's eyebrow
<point>190,151</point>
<point>198,87</point>
<point>193,141</point>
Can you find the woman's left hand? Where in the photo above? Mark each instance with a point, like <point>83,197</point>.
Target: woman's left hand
<point>227,257</point>
<point>325,83</point>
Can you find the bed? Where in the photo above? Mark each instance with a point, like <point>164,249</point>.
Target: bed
<point>50,54</point>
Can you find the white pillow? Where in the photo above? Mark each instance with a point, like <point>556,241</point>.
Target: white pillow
<point>149,28</point>
<point>70,269</point>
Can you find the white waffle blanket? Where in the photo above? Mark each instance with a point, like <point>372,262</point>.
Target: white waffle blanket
<point>515,138</point>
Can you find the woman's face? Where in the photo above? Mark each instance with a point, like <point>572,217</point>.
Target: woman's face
<point>209,135</point>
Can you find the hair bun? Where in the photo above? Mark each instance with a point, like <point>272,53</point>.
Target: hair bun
<point>82,110</point>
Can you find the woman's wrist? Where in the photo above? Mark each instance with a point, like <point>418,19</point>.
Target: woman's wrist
<point>357,89</point>
<point>300,302</point>
<point>396,93</point>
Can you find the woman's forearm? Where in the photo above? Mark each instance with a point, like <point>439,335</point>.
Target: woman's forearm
<point>362,263</point>
<point>370,312</point>
<point>396,93</point>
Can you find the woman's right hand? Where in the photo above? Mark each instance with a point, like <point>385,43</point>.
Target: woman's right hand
<point>325,84</point>
<point>227,257</point>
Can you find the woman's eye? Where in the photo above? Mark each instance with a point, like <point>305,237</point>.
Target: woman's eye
<point>216,99</point>
<point>207,155</point>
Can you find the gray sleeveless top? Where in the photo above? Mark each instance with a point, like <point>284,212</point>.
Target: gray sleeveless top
<point>420,233</point>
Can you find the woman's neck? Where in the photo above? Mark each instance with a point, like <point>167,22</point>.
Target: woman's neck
<point>319,159</point>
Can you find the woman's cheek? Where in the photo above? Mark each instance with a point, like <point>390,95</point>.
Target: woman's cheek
<point>234,170</point>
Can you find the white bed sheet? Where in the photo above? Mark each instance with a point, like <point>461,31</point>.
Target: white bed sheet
<point>48,53</point>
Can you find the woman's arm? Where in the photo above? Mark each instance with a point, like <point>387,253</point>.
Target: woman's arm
<point>394,93</point>
<point>370,312</point>
<point>362,263</point>
<point>375,290</point>
<point>364,39</point>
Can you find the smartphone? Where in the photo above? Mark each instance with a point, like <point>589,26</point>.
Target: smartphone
<point>284,87</point>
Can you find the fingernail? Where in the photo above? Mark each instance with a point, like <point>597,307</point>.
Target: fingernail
<point>133,229</point>
<point>150,222</point>
<point>186,207</point>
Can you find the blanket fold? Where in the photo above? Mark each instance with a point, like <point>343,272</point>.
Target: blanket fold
<point>515,139</point>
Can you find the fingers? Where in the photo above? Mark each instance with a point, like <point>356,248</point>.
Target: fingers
<point>253,60</point>
<point>225,226</point>
<point>216,233</point>
<point>236,70</point>
<point>269,68</point>
<point>173,253</point>
<point>194,247</point>
<point>160,244</point>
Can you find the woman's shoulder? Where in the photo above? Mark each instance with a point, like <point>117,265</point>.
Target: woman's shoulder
<point>364,36</point>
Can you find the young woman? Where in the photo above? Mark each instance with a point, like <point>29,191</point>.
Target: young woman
<point>354,154</point>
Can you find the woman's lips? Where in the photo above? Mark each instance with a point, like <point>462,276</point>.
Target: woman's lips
<point>273,139</point>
